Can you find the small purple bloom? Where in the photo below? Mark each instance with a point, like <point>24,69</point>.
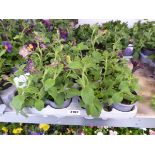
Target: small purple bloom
<point>35,133</point>
<point>47,23</point>
<point>63,34</point>
<point>7,46</point>
<point>42,45</point>
<point>129,50</point>
<point>120,54</point>
<point>30,66</point>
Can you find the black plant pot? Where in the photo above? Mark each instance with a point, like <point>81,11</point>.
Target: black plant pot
<point>55,106</point>
<point>107,107</point>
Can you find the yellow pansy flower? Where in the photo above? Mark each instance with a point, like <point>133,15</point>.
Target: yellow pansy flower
<point>17,131</point>
<point>44,127</point>
<point>5,130</point>
<point>30,47</point>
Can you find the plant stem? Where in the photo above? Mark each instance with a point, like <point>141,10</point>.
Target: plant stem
<point>4,30</point>
<point>106,66</point>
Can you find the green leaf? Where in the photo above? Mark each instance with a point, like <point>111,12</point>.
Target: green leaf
<point>72,92</point>
<point>31,90</point>
<point>39,104</point>
<point>87,95</point>
<point>81,46</point>
<point>117,98</point>
<point>124,86</point>
<point>97,56</point>
<point>49,83</point>
<point>95,108</point>
<point>75,65</point>
<point>18,102</point>
<point>2,52</point>
<point>59,100</point>
<point>53,92</point>
<point>82,104</point>
<point>17,37</point>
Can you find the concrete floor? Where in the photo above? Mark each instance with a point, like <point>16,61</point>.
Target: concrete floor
<point>147,90</point>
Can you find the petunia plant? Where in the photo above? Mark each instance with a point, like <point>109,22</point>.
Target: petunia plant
<point>48,78</point>
<point>143,34</point>
<point>118,83</point>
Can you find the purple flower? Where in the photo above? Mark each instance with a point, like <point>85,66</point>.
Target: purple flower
<point>47,23</point>
<point>7,46</point>
<point>120,54</point>
<point>29,30</point>
<point>42,45</point>
<point>63,34</point>
<point>30,68</point>
<point>35,133</point>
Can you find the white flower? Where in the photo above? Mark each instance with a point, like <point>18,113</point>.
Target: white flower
<point>21,81</point>
<point>144,129</point>
<point>99,133</point>
<point>106,127</point>
<point>113,132</point>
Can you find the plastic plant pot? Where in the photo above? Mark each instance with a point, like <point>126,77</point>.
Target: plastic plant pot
<point>7,95</point>
<point>152,64</point>
<point>127,57</point>
<point>124,107</point>
<point>1,101</point>
<point>148,52</point>
<point>55,106</point>
<point>144,58</point>
<point>144,55</point>
<point>128,51</point>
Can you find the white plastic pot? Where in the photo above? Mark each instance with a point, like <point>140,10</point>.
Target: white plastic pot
<point>7,95</point>
<point>152,64</point>
<point>74,110</point>
<point>55,106</point>
<point>145,59</point>
<point>124,107</point>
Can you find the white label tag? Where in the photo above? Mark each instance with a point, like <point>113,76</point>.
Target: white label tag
<point>74,112</point>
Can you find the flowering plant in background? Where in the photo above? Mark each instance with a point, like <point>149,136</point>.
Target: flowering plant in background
<point>111,132</point>
<point>47,23</point>
<point>17,131</point>
<point>5,129</point>
<point>46,129</point>
<point>7,46</point>
<point>27,50</point>
<point>63,34</point>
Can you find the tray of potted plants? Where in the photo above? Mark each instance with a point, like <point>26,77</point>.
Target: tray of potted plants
<point>62,76</point>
